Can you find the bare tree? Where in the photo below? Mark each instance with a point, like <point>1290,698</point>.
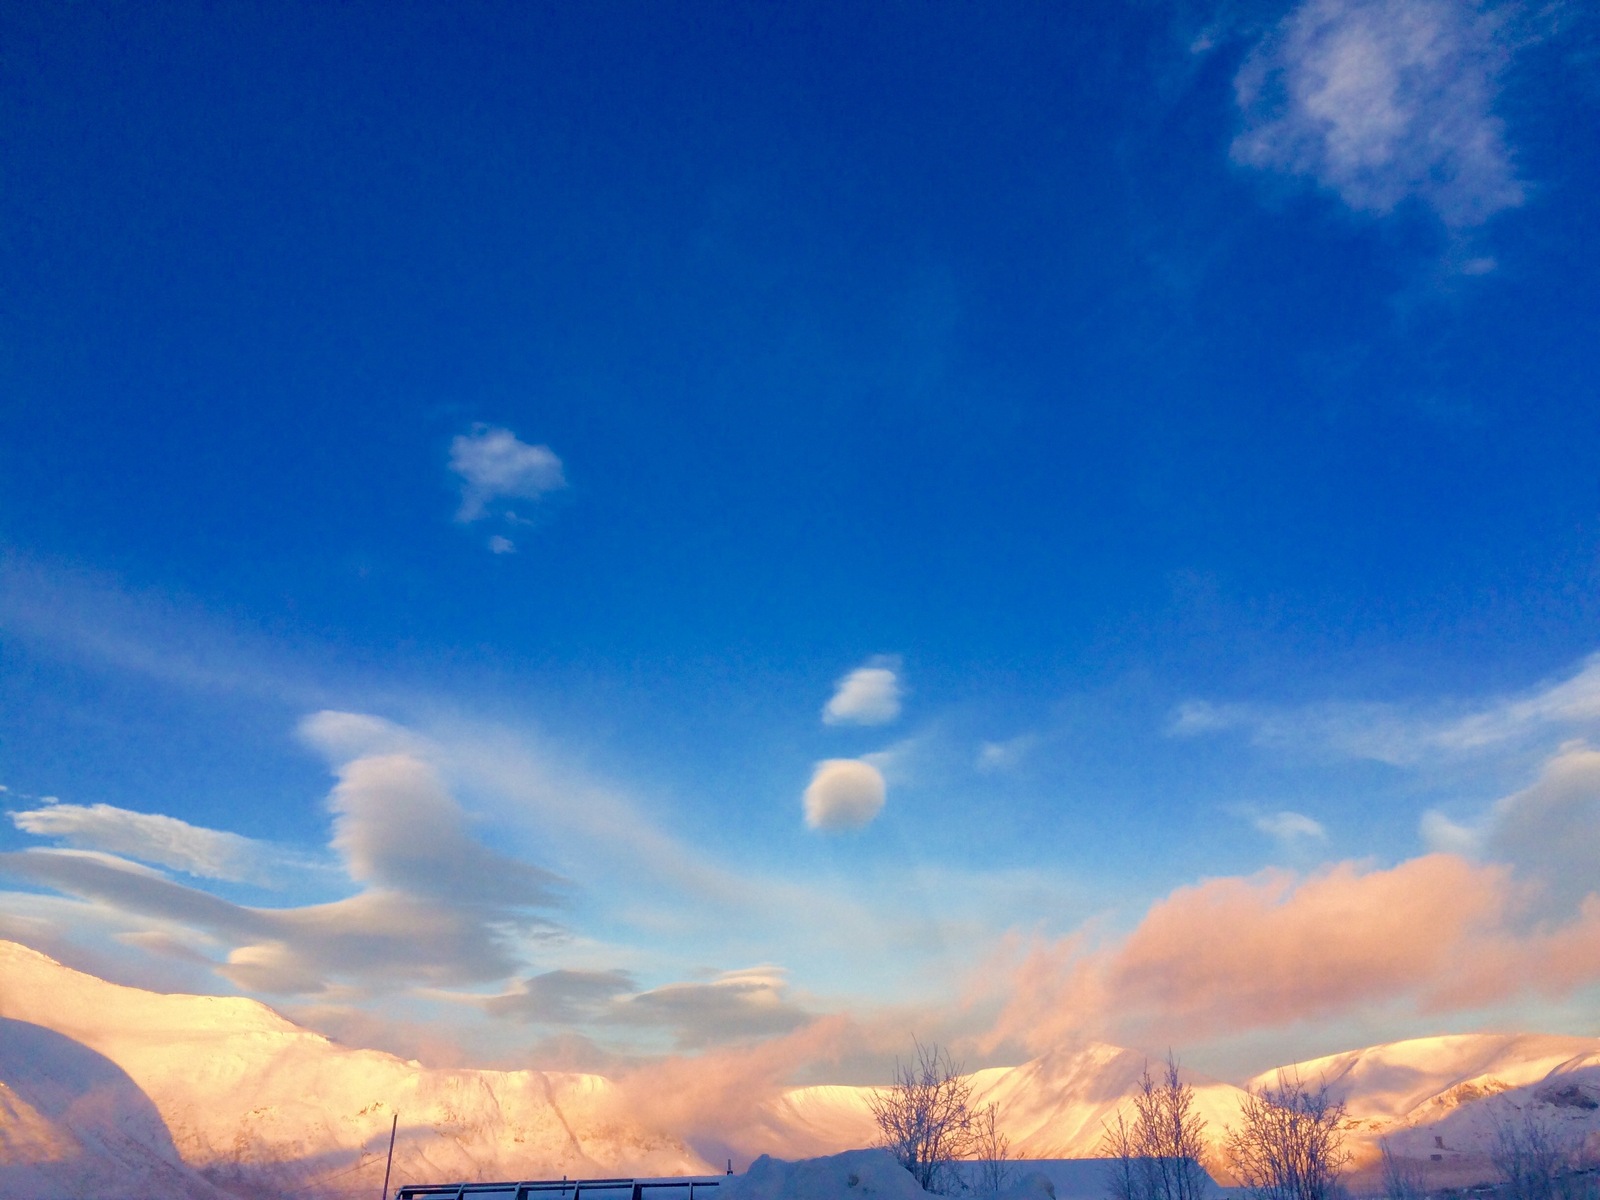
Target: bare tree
<point>992,1151</point>
<point>1290,1142</point>
<point>1402,1177</point>
<point>924,1118</point>
<point>1160,1154</point>
<point>1120,1145</point>
<point>1539,1161</point>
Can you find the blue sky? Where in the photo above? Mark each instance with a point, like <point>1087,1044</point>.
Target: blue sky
<point>1150,446</point>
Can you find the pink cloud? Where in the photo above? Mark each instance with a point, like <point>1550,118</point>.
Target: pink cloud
<point>720,1101</point>
<point>1437,934</point>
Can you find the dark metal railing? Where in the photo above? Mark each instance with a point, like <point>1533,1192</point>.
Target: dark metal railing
<point>695,1187</point>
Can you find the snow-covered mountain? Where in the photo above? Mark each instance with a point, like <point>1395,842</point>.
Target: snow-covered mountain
<point>108,1090</point>
<point>112,1091</point>
<point>1436,1099</point>
<point>1054,1106</point>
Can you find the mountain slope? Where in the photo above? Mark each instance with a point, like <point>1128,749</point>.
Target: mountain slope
<point>112,1091</point>
<point>1399,1081</point>
<point>1438,1100</point>
<point>257,1104</point>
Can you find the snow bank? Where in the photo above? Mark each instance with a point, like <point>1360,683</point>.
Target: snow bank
<point>856,1174</point>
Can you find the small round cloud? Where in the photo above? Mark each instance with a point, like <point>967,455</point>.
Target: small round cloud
<point>845,793</point>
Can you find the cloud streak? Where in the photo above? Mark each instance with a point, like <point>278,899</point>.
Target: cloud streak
<point>1291,828</point>
<point>154,838</point>
<point>736,1006</point>
<point>1006,755</point>
<point>435,907</point>
<point>1404,735</point>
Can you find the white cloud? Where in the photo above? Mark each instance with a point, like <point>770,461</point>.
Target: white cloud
<point>397,826</point>
<point>152,838</point>
<point>343,736</point>
<point>493,464</point>
<point>1006,755</point>
<point>1441,835</point>
<point>1550,831</point>
<point>736,1005</point>
<point>1547,832</point>
<point>1291,827</point>
<point>898,761</point>
<point>501,545</point>
<point>869,695</point>
<point>1572,701</point>
<point>434,906</point>
<point>563,997</point>
<point>1404,735</point>
<point>1381,101</point>
<point>845,793</point>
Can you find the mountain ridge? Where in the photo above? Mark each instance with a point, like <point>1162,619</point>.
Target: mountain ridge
<point>205,1097</point>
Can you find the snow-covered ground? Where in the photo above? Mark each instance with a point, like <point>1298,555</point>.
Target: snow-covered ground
<point>111,1091</point>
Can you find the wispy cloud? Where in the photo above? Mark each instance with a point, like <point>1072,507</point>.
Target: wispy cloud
<point>736,1006</point>
<point>155,838</point>
<point>96,618</point>
<point>869,695</point>
<point>493,464</point>
<point>1008,754</point>
<point>1401,734</point>
<point>1383,101</point>
<point>560,998</point>
<point>1291,828</point>
<point>433,906</point>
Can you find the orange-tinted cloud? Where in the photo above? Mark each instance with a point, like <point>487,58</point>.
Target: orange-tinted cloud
<point>719,1101</point>
<point>1437,933</point>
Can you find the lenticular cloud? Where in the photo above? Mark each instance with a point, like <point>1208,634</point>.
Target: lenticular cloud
<point>845,793</point>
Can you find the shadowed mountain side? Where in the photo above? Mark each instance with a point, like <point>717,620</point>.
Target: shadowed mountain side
<point>1449,1135</point>
<point>1400,1080</point>
<point>1436,1100</point>
<point>74,1125</point>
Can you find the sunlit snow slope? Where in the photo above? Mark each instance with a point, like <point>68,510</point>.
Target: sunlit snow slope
<point>111,1091</point>
<point>1435,1099</point>
<point>1051,1107</point>
<point>248,1101</point>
